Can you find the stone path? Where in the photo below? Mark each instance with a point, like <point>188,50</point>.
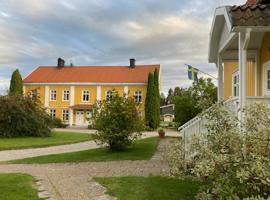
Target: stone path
<point>27,153</point>
<point>75,181</point>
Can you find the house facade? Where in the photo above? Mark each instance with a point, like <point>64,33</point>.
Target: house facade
<point>167,112</point>
<point>240,49</point>
<point>69,92</point>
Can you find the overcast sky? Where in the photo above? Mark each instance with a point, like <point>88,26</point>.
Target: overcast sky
<point>96,32</point>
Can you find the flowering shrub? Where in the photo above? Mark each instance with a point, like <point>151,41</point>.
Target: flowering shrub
<point>233,158</point>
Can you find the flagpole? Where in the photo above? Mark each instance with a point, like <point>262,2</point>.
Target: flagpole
<point>204,72</point>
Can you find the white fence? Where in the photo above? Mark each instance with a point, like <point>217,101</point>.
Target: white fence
<point>197,125</point>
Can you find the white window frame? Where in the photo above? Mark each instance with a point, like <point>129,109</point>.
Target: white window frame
<point>83,93</point>
<point>51,95</point>
<point>52,114</point>
<point>235,85</point>
<point>65,115</point>
<point>66,93</point>
<point>109,97</point>
<point>138,96</point>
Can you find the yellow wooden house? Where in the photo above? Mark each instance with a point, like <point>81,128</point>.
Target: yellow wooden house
<point>69,92</point>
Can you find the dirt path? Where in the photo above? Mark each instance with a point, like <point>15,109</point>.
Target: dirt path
<point>75,181</point>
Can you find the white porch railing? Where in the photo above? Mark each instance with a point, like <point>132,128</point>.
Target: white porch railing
<point>196,126</point>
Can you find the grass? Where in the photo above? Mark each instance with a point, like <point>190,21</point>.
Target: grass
<point>17,187</point>
<point>141,150</point>
<point>150,188</point>
<point>57,138</point>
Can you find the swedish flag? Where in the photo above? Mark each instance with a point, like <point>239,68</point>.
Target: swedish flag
<point>192,73</point>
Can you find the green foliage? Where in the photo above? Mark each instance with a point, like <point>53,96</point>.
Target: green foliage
<point>18,187</point>
<point>152,101</point>
<point>16,84</point>
<point>146,188</point>
<point>58,123</point>
<point>236,163</point>
<point>117,122</point>
<point>21,116</point>
<point>192,101</point>
<point>157,96</point>
<point>162,99</point>
<point>141,150</point>
<point>170,96</point>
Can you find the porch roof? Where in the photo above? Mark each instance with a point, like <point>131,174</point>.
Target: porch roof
<point>82,107</point>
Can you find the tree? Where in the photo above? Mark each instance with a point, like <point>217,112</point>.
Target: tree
<point>16,84</point>
<point>117,122</point>
<point>157,98</point>
<point>169,96</point>
<point>192,101</point>
<point>151,104</point>
<point>162,99</point>
<point>21,116</point>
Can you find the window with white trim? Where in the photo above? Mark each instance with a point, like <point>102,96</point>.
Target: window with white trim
<point>138,96</point>
<point>85,96</point>
<point>65,114</point>
<point>268,79</point>
<point>235,84</point>
<point>34,95</point>
<point>109,95</point>
<point>52,113</point>
<point>53,95</point>
<point>66,94</point>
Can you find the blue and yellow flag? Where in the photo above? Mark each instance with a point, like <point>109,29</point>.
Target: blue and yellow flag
<point>192,73</point>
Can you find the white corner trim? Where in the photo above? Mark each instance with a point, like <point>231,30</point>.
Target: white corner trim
<point>126,90</point>
<point>47,96</point>
<point>72,96</point>
<point>98,92</point>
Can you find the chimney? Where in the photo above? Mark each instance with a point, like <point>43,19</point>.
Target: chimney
<point>132,63</point>
<point>60,62</point>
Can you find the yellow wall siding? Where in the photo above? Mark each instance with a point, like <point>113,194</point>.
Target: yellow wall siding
<point>229,69</point>
<point>79,94</point>
<point>59,103</point>
<point>104,89</point>
<point>265,57</point>
<point>40,92</point>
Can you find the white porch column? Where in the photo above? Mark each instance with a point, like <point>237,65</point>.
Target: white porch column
<point>71,103</point>
<point>243,44</point>
<point>220,79</point>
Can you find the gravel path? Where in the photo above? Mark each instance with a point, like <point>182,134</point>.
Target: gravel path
<point>75,181</point>
<point>8,155</point>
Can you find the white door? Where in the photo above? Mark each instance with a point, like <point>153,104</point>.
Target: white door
<point>79,118</point>
<point>267,79</point>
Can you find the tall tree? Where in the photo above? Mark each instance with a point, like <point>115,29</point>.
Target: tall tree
<point>162,99</point>
<point>170,96</point>
<point>150,102</point>
<point>157,98</point>
<point>16,84</point>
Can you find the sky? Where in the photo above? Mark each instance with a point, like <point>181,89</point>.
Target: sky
<point>95,32</point>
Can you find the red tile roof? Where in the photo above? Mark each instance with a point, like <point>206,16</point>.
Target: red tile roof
<point>251,2</point>
<point>91,74</point>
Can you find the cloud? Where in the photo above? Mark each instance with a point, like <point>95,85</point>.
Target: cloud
<point>172,33</point>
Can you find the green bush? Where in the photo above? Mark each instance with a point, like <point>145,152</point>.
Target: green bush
<point>117,122</point>
<point>21,116</point>
<point>57,123</point>
<point>235,163</point>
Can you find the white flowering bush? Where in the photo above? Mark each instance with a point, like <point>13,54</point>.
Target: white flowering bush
<point>233,158</point>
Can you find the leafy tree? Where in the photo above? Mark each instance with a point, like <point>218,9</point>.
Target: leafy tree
<point>178,91</point>
<point>16,84</point>
<point>169,96</point>
<point>21,116</point>
<point>192,101</point>
<point>117,122</point>
<point>162,99</point>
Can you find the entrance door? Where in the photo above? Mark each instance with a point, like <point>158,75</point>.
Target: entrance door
<point>79,118</point>
<point>267,79</point>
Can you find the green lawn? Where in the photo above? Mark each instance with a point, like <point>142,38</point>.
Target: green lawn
<point>150,188</point>
<point>141,150</point>
<point>17,187</point>
<point>57,138</point>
